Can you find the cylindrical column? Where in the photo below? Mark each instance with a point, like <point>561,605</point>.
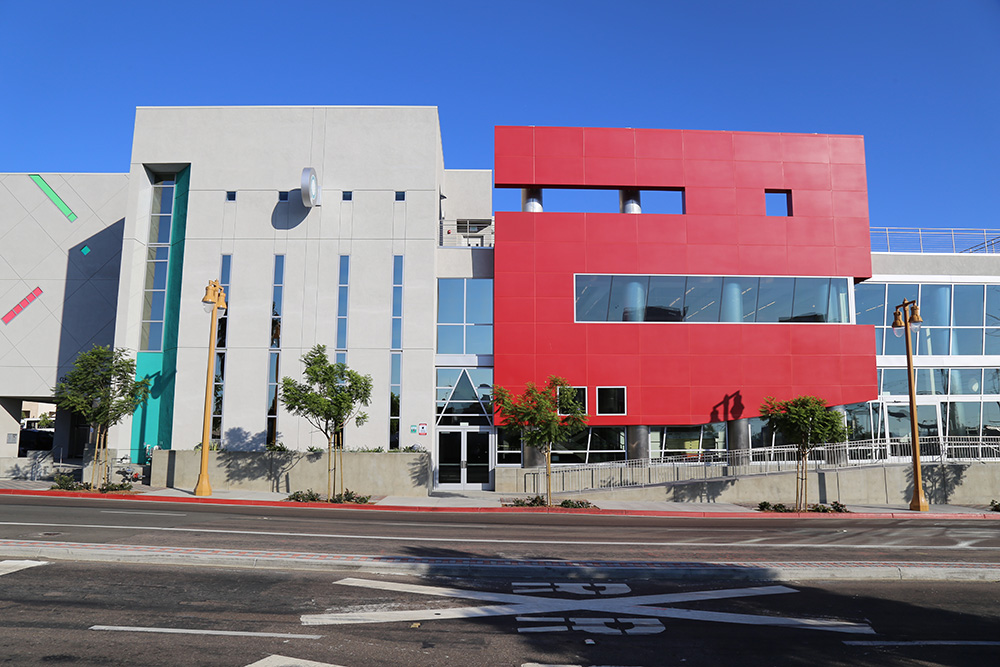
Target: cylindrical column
<point>533,457</point>
<point>629,201</point>
<point>732,300</point>
<point>531,200</point>
<point>637,442</point>
<point>635,301</point>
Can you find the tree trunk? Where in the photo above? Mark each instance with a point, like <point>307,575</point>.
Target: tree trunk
<point>548,475</point>
<point>329,468</point>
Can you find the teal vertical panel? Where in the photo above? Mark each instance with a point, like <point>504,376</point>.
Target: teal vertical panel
<point>154,425</point>
<point>146,420</point>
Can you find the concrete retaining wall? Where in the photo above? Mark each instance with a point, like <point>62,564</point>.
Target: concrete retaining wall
<point>37,465</point>
<point>956,483</point>
<point>368,473</point>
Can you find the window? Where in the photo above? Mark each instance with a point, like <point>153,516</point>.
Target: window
<point>400,195</point>
<point>663,202</point>
<point>220,346</point>
<point>508,448</point>
<point>273,375</point>
<point>464,396</point>
<point>157,262</point>
<point>342,303</point>
<point>778,202</point>
<point>596,444</point>
<point>576,394</point>
<point>283,196</point>
<point>396,357</point>
<point>231,195</point>
<point>465,316</point>
<point>347,195</point>
<point>743,299</point>
<point>611,401</point>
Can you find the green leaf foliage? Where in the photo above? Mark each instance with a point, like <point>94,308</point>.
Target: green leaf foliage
<point>805,421</point>
<point>331,396</point>
<point>102,387</point>
<point>535,414</point>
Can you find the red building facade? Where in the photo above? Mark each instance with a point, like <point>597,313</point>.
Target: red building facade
<point>676,364</point>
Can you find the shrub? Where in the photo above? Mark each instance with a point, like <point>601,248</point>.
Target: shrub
<point>994,506</point>
<point>765,506</point>
<point>349,496</point>
<point>820,507</point>
<point>111,487</point>
<point>576,504</point>
<point>307,496</point>
<point>64,482</point>
<point>276,447</point>
<point>536,501</point>
<point>839,508</point>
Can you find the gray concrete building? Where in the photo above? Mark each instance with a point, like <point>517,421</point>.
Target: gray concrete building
<point>215,194</point>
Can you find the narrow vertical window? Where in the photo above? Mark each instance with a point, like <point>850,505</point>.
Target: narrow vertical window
<point>273,371</point>
<point>395,385</point>
<point>220,347</point>
<point>342,303</point>
<point>157,259</point>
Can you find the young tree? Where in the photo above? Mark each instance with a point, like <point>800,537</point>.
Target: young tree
<point>806,421</point>
<point>102,389</point>
<point>542,416</point>
<point>331,395</point>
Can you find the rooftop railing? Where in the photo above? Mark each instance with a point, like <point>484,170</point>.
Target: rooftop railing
<point>917,240</point>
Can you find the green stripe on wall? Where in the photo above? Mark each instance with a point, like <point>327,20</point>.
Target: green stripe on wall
<point>51,194</point>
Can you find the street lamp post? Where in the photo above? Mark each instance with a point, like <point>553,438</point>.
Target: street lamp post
<point>215,298</point>
<point>908,314</point>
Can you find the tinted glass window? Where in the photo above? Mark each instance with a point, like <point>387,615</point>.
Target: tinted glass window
<point>932,381</point>
<point>610,400</point>
<point>451,339</point>
<point>451,300</point>
<point>479,339</point>
<point>810,300</point>
<point>967,341</point>
<point>966,380</point>
<point>935,305</point>
<point>739,299</point>
<point>869,303</point>
<point>592,296</point>
<point>479,301</point>
<point>896,295</point>
<point>774,303</point>
<point>665,302</point>
<point>702,299</point>
<point>628,298</point>
<point>932,340</point>
<point>968,306</point>
<point>993,305</point>
<point>894,382</point>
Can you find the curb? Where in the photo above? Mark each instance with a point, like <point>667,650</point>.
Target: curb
<point>511,510</point>
<point>469,567</point>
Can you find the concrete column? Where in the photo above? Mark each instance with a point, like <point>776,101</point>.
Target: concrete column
<point>531,200</point>
<point>738,440</point>
<point>732,301</point>
<point>842,411</point>
<point>637,442</point>
<point>629,201</point>
<point>10,425</point>
<point>635,301</point>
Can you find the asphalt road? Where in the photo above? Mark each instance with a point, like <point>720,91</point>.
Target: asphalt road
<point>521,536</point>
<point>66,613</point>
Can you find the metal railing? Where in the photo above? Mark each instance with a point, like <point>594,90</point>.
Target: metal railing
<point>703,465</point>
<point>917,240</point>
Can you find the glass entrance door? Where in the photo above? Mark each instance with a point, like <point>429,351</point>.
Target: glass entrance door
<point>464,458</point>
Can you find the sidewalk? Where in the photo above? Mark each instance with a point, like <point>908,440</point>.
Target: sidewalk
<point>488,501</point>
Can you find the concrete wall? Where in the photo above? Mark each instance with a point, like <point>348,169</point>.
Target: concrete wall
<point>960,484</point>
<point>367,473</point>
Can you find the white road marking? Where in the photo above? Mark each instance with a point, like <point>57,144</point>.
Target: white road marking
<point>284,661</point>
<point>521,605</point>
<point>143,513</point>
<point>9,566</point>
<point>922,642</point>
<point>191,631</point>
<point>410,539</point>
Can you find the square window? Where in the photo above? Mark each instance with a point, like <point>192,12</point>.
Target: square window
<point>400,195</point>
<point>611,401</point>
<point>282,196</point>
<point>231,195</point>
<point>778,202</point>
<point>577,394</point>
<point>347,196</point>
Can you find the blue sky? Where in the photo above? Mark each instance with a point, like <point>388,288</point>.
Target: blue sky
<point>918,78</point>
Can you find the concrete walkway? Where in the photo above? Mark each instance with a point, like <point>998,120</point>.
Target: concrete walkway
<point>488,501</point>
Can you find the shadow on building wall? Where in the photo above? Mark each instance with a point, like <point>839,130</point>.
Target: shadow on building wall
<point>289,214</point>
<point>89,310</point>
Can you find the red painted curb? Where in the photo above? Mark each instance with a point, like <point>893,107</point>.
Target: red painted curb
<point>507,510</point>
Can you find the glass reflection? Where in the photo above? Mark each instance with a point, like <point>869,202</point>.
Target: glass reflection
<point>869,303</point>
